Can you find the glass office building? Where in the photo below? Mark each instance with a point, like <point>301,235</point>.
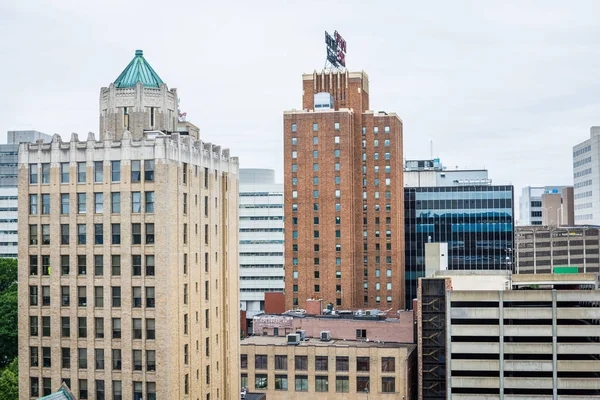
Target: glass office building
<point>477,222</point>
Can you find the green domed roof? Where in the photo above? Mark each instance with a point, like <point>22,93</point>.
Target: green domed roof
<point>138,70</point>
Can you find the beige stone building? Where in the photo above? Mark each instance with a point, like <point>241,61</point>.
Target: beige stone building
<point>128,285</point>
<point>335,369</point>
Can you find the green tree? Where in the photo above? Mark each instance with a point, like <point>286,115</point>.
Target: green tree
<point>8,273</point>
<point>8,325</point>
<point>9,381</point>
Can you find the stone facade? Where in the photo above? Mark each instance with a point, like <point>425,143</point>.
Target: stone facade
<point>190,294</point>
<point>344,201</point>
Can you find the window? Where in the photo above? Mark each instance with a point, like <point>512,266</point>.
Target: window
<point>137,360</point>
<point>65,327</point>
<point>281,362</point>
<point>33,204</point>
<point>315,154</point>
<point>337,180</point>
<point>64,172</point>
<point>98,171</point>
<point>388,364</point>
<point>336,126</point>
<point>294,141</point>
<point>361,334</point>
<point>342,384</point>
<point>376,143</point>
<point>34,356</point>
<point>150,297</point>
<point>45,295</point>
<point>45,234</point>
<point>137,296</point>
<point>341,363</point>
<point>321,363</point>
<point>33,326</point>
<point>260,381</point>
<point>98,203</point>
<point>116,328</point>
<point>99,358</point>
<point>150,265</point>
<point>33,234</point>
<point>136,202</point>
<point>65,298</point>
<point>362,364</point>
<point>336,139</point>
<point>46,326</point>
<point>336,153</point>
<point>136,233</point>
<point>116,296</point>
<point>116,233</point>
<point>315,194</point>
<point>386,143</point>
<point>116,265</point>
<point>184,170</point>
<point>82,327</point>
<point>81,203</point>
<point>315,127</point>
<point>33,174</point>
<point>321,384</point>
<point>387,156</point>
<point>260,361</point>
<point>148,170</point>
<point>115,171</point>
<point>100,390</point>
<point>293,127</point>
<point>281,382</point>
<point>336,166</point>
<point>34,385</point>
<point>64,203</point>
<point>388,384</point>
<point>98,296</point>
<point>294,167</point>
<point>81,265</point>
<point>150,202</point>
<point>362,383</point>
<point>66,357</point>
<point>301,383</point>
<point>115,202</point>
<point>117,390</point>
<point>137,328</point>
<point>301,363</point>
<point>46,204</point>
<point>150,329</point>
<point>151,360</point>
<point>99,322</point>
<point>81,172</point>
<point>294,154</point>
<point>98,234</point>
<point>135,171</point>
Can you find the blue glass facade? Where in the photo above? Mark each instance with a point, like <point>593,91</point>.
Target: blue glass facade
<point>477,222</point>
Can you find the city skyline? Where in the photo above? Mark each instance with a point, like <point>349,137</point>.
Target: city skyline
<point>524,75</point>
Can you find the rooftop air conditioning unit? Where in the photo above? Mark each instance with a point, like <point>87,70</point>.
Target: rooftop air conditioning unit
<point>325,336</point>
<point>293,339</point>
<point>302,334</point>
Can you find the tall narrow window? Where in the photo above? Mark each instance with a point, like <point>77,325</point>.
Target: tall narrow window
<point>116,202</point>
<point>81,172</point>
<point>126,118</point>
<point>136,202</point>
<point>45,204</point>
<point>45,173</point>
<point>152,117</point>
<point>115,171</point>
<point>135,171</point>
<point>149,233</point>
<point>64,203</point>
<point>81,203</point>
<point>148,170</point>
<point>98,203</point>
<point>149,202</point>
<point>33,174</point>
<point>98,234</point>
<point>116,233</point>
<point>33,204</point>
<point>64,172</point>
<point>98,171</point>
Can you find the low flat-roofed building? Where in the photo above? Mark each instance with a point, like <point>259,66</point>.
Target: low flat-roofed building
<point>315,369</point>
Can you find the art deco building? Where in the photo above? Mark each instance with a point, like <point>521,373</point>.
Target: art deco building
<point>344,201</point>
<point>128,284</point>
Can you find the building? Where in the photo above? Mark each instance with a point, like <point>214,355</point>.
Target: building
<point>431,173</point>
<point>586,179</point>
<point>329,366</point>
<point>475,221</point>
<point>540,249</point>
<point>344,207</point>
<point>261,238</point>
<point>128,261</point>
<point>546,205</point>
<point>517,344</point>
<point>9,154</point>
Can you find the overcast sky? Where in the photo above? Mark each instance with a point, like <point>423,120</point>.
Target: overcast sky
<point>506,85</point>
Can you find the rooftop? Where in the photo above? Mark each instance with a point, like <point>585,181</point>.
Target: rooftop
<point>281,341</point>
<point>138,70</point>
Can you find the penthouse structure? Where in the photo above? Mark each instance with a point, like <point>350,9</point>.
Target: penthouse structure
<point>128,284</point>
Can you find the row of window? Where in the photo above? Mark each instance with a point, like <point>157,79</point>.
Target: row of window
<point>338,207</point>
<point>338,234</point>
<point>117,389</point>
<point>337,167</point>
<point>342,383</point>
<point>82,359</point>
<point>98,172</point>
<point>342,363</point>
<point>115,208</point>
<point>336,126</point>
<point>98,268</point>
<point>98,234</point>
<point>82,327</point>
<point>82,296</point>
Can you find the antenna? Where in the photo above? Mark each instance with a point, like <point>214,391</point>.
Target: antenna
<point>431,149</point>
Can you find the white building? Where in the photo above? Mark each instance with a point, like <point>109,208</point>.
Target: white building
<point>531,207</point>
<point>9,154</point>
<point>261,238</point>
<point>431,173</point>
<point>586,179</point>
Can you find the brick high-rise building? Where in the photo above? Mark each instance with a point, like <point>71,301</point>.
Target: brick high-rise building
<point>344,202</point>
<point>132,290</point>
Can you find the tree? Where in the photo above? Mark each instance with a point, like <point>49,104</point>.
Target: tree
<point>9,381</point>
<point>8,325</point>
<point>8,273</point>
